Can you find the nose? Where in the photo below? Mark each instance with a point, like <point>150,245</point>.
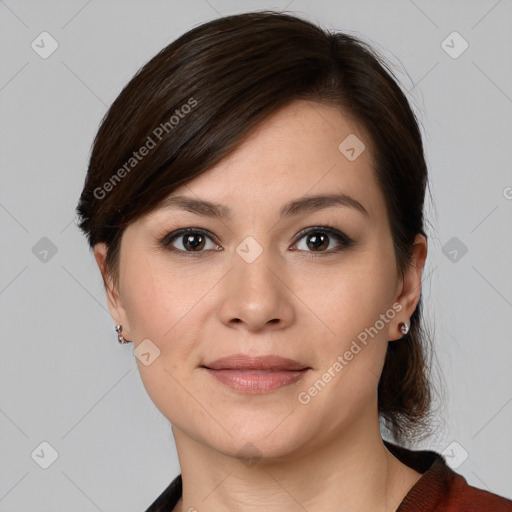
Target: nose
<point>256,295</point>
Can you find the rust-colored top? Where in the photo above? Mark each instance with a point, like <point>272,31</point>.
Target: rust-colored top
<point>440,489</point>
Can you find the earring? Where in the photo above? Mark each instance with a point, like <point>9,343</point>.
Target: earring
<point>120,337</point>
<point>404,327</point>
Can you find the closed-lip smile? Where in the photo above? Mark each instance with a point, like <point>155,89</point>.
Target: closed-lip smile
<point>256,374</point>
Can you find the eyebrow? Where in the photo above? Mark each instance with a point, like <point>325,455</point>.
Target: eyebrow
<point>303,205</point>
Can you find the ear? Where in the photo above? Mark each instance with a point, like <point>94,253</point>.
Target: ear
<point>409,288</point>
<point>114,302</point>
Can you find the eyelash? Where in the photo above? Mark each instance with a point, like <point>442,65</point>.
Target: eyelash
<point>342,238</point>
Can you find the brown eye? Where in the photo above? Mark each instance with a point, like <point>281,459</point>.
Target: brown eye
<point>189,241</point>
<point>319,239</point>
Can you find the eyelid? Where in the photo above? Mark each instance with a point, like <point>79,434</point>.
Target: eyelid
<point>326,228</point>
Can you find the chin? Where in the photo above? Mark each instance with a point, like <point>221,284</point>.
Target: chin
<point>262,443</point>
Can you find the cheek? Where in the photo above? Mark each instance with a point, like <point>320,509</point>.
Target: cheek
<point>354,348</point>
<point>353,303</point>
<point>344,300</point>
<point>155,299</point>
<point>163,305</point>
<point>160,308</point>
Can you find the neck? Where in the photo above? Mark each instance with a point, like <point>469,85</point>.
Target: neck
<point>351,471</point>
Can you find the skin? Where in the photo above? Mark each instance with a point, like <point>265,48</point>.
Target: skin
<point>327,454</point>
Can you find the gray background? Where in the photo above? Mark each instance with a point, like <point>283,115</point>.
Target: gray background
<point>64,377</point>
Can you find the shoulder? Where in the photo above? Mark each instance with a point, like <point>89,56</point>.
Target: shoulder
<point>441,489</point>
<point>465,497</point>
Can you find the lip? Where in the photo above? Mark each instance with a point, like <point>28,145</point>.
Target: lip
<point>250,382</point>
<point>245,362</point>
<point>256,374</point>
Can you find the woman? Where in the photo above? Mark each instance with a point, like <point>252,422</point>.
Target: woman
<point>254,201</point>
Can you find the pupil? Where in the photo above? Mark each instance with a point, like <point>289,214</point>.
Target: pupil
<point>318,241</point>
<point>189,241</point>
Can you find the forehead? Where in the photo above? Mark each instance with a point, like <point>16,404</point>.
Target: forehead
<point>306,148</point>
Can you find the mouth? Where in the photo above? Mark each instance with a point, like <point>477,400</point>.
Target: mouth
<point>256,375</point>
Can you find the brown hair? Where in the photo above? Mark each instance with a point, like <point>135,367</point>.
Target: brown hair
<point>194,102</point>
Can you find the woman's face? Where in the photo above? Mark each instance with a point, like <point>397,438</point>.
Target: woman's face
<point>250,283</point>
